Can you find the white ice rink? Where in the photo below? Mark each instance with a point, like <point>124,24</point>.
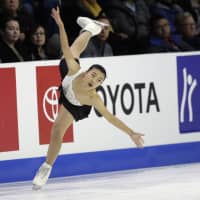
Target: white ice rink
<point>180,182</point>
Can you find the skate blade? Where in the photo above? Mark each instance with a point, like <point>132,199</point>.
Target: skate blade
<point>100,23</point>
<point>36,187</point>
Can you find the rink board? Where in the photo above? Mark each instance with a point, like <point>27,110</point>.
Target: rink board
<point>156,94</point>
<point>103,161</point>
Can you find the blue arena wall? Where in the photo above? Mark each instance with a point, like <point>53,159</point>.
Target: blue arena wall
<point>103,161</point>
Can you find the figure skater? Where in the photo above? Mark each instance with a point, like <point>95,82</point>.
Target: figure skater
<point>77,93</point>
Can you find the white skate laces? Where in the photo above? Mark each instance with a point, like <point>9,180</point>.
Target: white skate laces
<point>41,176</point>
<point>93,26</point>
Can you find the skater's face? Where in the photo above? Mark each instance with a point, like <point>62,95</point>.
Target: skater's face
<point>93,79</point>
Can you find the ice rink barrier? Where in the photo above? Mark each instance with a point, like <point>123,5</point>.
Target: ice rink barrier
<point>155,94</point>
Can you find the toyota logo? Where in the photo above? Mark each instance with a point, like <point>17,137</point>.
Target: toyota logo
<point>50,103</point>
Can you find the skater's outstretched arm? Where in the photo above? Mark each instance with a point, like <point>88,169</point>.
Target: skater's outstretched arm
<point>68,55</point>
<point>136,137</point>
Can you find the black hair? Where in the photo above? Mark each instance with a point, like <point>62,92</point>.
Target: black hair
<point>35,27</point>
<point>154,20</point>
<point>6,20</point>
<point>100,68</point>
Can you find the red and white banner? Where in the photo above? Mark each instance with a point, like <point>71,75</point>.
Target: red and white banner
<point>8,110</point>
<point>47,94</point>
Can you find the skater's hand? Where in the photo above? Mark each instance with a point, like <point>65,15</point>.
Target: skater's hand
<point>137,139</point>
<point>55,13</point>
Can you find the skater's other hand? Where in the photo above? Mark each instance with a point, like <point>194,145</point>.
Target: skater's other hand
<point>55,13</point>
<point>137,139</point>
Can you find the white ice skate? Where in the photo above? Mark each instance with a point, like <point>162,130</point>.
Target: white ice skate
<point>41,176</point>
<point>93,26</point>
<point>83,21</point>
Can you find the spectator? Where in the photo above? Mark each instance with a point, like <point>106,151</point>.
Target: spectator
<point>98,46</point>
<point>142,16</point>
<point>121,18</point>
<point>167,9</point>
<point>186,26</point>
<point>10,49</point>
<point>11,8</point>
<point>130,20</point>
<point>192,6</point>
<point>42,10</point>
<point>162,40</point>
<point>38,43</point>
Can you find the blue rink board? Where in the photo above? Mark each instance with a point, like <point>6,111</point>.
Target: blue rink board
<point>103,161</point>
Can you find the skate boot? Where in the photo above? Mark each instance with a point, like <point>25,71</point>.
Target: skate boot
<point>93,26</point>
<point>83,21</point>
<point>41,176</point>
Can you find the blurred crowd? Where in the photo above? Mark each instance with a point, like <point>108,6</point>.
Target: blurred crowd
<point>28,32</point>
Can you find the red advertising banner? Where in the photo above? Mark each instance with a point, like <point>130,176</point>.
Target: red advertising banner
<point>8,109</point>
<point>48,80</point>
